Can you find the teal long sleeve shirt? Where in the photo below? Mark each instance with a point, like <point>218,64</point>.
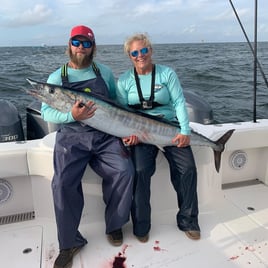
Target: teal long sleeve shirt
<point>167,92</point>
<point>74,75</point>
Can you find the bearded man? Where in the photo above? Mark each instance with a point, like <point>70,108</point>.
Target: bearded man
<point>78,144</point>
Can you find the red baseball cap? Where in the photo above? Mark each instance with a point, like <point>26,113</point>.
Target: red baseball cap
<point>82,31</point>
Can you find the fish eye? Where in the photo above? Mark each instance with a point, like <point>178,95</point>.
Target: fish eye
<point>49,89</point>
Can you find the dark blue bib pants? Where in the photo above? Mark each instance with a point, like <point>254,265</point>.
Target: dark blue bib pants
<point>184,180</point>
<point>76,146</point>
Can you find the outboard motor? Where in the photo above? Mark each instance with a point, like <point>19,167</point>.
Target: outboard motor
<point>199,109</point>
<point>37,128</point>
<point>10,123</point>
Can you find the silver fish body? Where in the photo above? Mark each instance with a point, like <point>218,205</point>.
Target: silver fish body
<point>119,121</point>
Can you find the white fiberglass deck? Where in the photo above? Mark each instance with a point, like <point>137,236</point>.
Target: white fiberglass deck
<point>233,221</point>
<point>234,234</point>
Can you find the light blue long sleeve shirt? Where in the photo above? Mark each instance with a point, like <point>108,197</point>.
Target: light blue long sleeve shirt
<point>168,92</point>
<point>74,75</point>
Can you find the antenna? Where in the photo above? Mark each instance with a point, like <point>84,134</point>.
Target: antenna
<point>255,62</point>
<point>249,43</point>
<point>254,51</point>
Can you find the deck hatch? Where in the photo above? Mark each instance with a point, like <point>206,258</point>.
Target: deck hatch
<point>26,216</point>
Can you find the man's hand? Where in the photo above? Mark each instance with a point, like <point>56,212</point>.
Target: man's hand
<point>81,111</point>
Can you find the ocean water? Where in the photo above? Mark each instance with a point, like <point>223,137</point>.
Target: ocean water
<point>221,73</point>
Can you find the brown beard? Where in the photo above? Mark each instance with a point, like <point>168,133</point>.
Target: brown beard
<point>82,61</point>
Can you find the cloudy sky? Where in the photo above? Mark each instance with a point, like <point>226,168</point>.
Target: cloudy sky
<point>37,22</point>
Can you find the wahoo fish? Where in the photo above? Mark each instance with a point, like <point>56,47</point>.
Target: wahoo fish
<point>121,121</point>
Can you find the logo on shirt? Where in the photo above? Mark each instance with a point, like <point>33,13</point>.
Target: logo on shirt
<point>157,87</point>
<point>87,89</point>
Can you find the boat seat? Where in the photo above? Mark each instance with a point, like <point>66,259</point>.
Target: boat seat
<point>13,161</point>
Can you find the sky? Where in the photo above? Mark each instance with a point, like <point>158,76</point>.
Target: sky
<point>48,22</point>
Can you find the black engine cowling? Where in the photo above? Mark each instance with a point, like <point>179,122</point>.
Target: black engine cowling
<point>11,128</point>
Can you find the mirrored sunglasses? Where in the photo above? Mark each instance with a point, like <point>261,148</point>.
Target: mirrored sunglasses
<point>143,51</point>
<point>85,44</point>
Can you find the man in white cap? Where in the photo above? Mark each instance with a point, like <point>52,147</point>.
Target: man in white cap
<point>78,145</point>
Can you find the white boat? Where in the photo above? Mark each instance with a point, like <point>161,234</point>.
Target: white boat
<point>233,208</point>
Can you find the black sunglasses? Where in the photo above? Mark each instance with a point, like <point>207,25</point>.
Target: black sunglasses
<point>85,44</point>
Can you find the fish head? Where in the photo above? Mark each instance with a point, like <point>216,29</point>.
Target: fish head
<point>42,90</point>
<point>53,95</point>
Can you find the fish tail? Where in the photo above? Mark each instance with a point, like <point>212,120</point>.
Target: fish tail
<point>221,142</point>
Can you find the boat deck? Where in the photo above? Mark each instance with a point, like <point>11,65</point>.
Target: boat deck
<point>234,234</point>
<point>233,220</point>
